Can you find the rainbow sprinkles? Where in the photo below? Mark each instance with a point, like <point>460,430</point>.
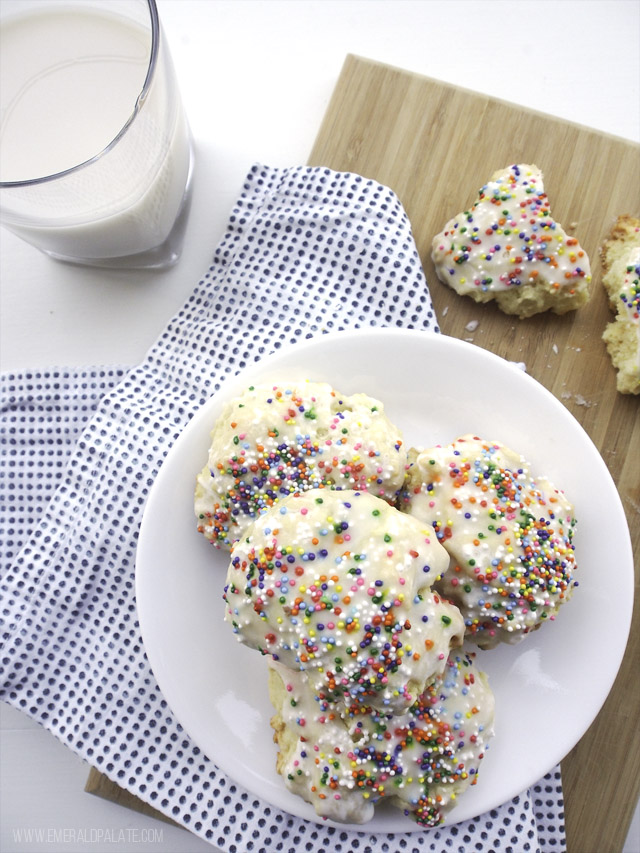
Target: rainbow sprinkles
<point>508,248</point>
<point>358,569</point>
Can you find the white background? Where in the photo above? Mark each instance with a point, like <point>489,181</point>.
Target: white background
<point>256,78</point>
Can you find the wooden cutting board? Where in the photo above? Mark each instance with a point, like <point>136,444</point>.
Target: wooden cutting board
<point>435,145</point>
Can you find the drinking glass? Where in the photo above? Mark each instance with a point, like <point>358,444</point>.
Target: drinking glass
<point>95,151</point>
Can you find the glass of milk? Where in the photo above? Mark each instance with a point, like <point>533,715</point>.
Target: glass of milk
<point>95,151</point>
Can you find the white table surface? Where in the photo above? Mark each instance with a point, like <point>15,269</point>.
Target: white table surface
<point>256,78</point>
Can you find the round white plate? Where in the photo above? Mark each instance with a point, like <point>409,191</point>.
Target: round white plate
<point>548,689</point>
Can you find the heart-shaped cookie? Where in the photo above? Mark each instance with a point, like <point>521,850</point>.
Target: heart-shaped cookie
<point>507,247</point>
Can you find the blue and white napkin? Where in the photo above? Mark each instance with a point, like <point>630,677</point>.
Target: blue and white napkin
<point>305,251</point>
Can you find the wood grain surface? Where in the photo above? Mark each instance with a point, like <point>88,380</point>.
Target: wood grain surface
<point>435,145</point>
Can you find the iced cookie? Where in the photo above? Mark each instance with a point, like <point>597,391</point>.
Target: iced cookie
<point>621,267</point>
<point>509,534</point>
<point>421,761</point>
<point>275,440</point>
<point>338,585</point>
<point>507,247</point>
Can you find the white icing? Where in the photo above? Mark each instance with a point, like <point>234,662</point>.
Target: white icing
<point>508,238</point>
<point>273,441</point>
<point>338,584</point>
<point>421,760</point>
<point>509,535</point>
<point>629,298</point>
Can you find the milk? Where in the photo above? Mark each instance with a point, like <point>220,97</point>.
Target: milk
<point>59,112</point>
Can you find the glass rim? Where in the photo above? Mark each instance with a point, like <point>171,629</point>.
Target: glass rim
<point>153,61</point>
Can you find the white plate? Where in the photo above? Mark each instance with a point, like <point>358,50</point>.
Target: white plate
<point>548,689</point>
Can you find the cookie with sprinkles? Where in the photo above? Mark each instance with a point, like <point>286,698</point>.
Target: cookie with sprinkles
<point>509,534</point>
<point>276,440</point>
<point>508,248</point>
<point>421,761</point>
<point>621,267</point>
<point>338,584</point>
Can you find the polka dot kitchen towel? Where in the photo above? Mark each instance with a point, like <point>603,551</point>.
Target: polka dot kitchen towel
<point>306,251</point>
